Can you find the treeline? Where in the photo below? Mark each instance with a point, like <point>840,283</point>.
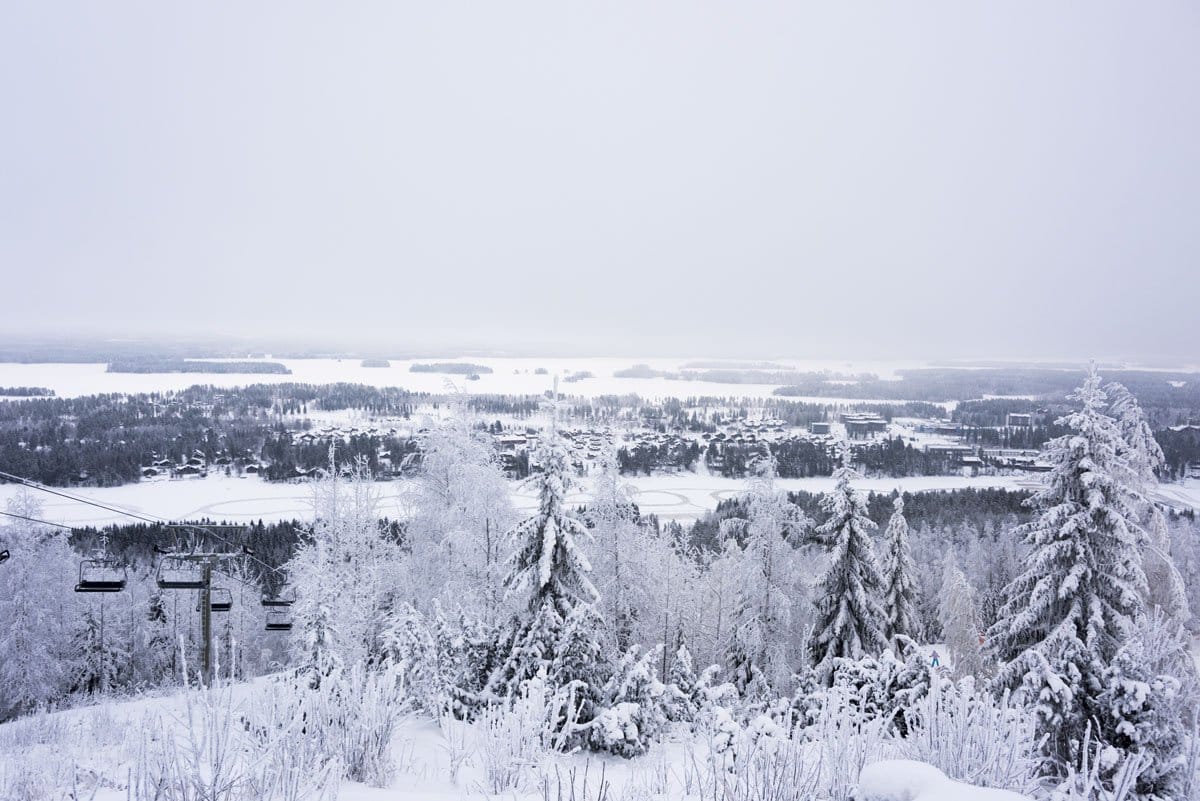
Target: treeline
<point>1164,396</point>
<point>165,365</point>
<point>26,392</point>
<point>802,458</point>
<point>451,368</point>
<point>521,406</point>
<point>646,457</point>
<point>978,509</point>
<point>1180,448</point>
<point>683,415</point>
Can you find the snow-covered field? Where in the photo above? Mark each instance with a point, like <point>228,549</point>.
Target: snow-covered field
<point>682,496</point>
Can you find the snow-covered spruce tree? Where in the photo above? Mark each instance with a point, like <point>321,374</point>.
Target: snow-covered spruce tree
<point>928,546</point>
<point>635,711</point>
<point>1149,697</point>
<point>158,665</point>
<point>758,649</point>
<point>850,618</point>
<point>1141,449</point>
<point>1165,585</point>
<point>551,570</point>
<point>1065,618</point>
<point>683,698</point>
<point>899,578</point>
<point>36,603</point>
<point>959,619</point>
<point>101,642</point>
<point>579,672</point>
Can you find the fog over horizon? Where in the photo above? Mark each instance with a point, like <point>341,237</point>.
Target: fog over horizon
<point>928,181</point>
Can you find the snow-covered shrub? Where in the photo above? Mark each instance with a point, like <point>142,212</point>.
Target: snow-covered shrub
<point>214,752</point>
<point>879,688</point>
<point>37,757</point>
<point>845,740</point>
<point>973,737</point>
<point>617,730</point>
<point>634,712</point>
<point>443,663</point>
<point>410,649</point>
<point>755,761</point>
<point>513,738</point>
<point>711,694</point>
<point>578,669</point>
<point>353,714</point>
<point>1103,774</point>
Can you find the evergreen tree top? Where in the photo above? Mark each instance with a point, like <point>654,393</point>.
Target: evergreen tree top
<point>548,562</point>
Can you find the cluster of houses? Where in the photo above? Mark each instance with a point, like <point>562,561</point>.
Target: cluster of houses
<point>584,446</point>
<point>197,466</point>
<point>327,434</point>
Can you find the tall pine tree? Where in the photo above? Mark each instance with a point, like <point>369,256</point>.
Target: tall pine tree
<point>552,570</point>
<point>1065,618</point>
<point>850,618</point>
<point>899,579</point>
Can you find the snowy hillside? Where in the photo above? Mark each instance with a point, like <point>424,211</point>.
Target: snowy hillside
<point>197,742</point>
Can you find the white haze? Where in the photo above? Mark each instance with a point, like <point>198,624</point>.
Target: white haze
<point>811,180</point>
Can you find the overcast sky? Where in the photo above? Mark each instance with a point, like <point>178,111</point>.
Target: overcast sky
<point>1012,179</point>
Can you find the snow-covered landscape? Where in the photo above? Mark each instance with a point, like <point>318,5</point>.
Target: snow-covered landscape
<point>622,401</point>
<point>580,633</point>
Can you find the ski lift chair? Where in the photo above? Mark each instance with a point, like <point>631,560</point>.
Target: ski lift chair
<point>220,600</point>
<point>279,599</point>
<point>101,575</point>
<point>176,573</point>
<point>278,619</point>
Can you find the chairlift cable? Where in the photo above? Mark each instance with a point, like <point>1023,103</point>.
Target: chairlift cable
<point>41,522</point>
<point>136,516</point>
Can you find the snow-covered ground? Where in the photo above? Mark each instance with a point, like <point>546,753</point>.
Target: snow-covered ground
<point>115,751</point>
<point>681,496</point>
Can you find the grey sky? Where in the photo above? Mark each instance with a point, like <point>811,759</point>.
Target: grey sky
<point>918,179</point>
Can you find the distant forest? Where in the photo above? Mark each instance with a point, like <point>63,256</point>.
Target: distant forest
<point>451,368</point>
<point>26,392</point>
<point>155,365</point>
<point>106,440</point>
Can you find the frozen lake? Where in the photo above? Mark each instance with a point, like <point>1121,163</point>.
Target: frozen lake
<point>511,376</point>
